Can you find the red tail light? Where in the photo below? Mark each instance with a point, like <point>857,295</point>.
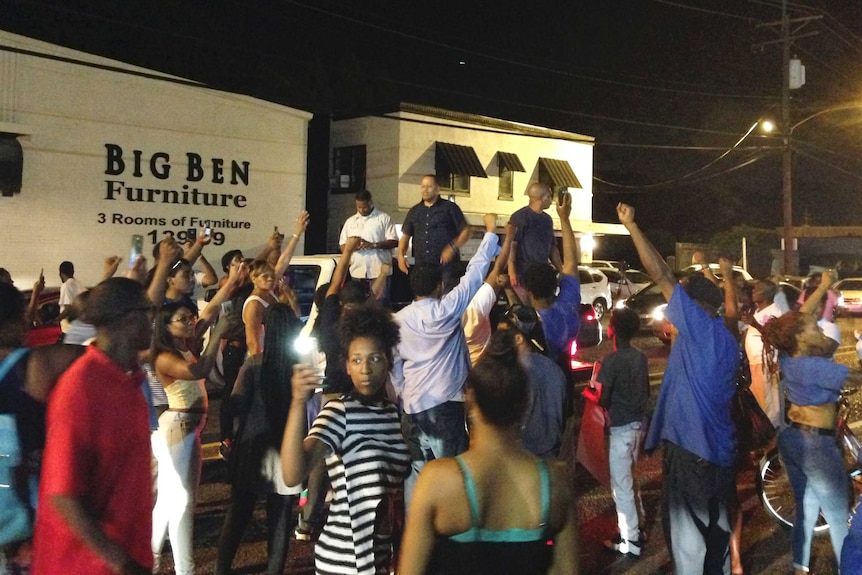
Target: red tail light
<point>573,350</point>
<point>590,317</point>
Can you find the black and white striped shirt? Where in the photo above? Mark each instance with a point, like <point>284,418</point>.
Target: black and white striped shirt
<point>367,463</point>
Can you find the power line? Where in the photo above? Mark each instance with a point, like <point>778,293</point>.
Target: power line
<point>643,189</point>
<point>707,11</point>
<point>830,164</point>
<point>698,170</point>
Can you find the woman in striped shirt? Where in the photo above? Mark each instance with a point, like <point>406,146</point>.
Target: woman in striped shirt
<point>359,437</point>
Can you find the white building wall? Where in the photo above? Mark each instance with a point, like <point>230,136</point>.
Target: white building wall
<point>417,158</point>
<point>380,137</point>
<point>71,113</point>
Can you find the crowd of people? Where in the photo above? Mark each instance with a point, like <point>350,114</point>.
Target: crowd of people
<point>437,429</point>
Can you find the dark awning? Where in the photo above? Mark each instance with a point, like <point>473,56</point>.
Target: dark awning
<point>461,160</point>
<point>509,161</point>
<point>559,172</point>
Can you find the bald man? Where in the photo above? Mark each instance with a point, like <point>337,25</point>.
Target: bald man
<point>534,241</point>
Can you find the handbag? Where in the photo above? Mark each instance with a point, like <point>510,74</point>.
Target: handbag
<point>16,513</point>
<point>754,430</point>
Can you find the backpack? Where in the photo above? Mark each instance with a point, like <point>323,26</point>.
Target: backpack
<point>16,504</point>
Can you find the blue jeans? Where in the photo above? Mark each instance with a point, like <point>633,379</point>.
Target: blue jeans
<point>432,434</point>
<point>816,472</point>
<point>695,512</point>
<point>625,447</point>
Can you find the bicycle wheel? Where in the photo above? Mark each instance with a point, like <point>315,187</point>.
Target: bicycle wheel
<point>777,495</point>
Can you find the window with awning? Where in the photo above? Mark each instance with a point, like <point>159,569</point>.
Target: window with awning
<point>558,174</point>
<point>454,164</point>
<point>507,164</point>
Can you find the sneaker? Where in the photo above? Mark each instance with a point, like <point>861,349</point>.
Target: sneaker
<point>624,547</point>
<point>304,531</point>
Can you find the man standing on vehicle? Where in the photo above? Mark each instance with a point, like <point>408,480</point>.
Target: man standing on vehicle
<point>534,241</point>
<point>377,240</point>
<point>559,313</point>
<point>692,416</point>
<point>438,229</point>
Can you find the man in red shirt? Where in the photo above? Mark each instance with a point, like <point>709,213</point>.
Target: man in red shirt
<point>95,497</point>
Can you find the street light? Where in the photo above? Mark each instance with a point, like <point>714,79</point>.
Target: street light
<point>790,263</point>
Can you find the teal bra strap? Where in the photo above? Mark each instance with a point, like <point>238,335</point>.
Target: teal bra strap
<point>470,486</point>
<point>545,479</point>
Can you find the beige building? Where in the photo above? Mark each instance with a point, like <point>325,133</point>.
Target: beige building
<point>485,164</point>
<point>94,151</point>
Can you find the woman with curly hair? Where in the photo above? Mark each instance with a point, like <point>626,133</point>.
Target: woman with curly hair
<point>493,508</point>
<point>807,445</point>
<point>359,437</point>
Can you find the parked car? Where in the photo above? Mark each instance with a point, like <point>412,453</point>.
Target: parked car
<point>615,264</point>
<point>849,296</point>
<point>595,289</point>
<point>626,284</point>
<point>43,334</point>
<point>649,304</point>
<point>716,270</point>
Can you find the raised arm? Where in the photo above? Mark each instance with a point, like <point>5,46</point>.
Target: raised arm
<point>809,305</point>
<point>571,253</point>
<point>300,454</point>
<point>284,259</point>
<point>502,259</point>
<point>731,303</point>
<point>698,258</point>
<point>223,294</point>
<point>343,265</point>
<point>450,250</point>
<point>169,253</point>
<point>655,266</point>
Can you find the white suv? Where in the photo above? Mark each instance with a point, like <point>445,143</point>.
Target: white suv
<point>595,289</point>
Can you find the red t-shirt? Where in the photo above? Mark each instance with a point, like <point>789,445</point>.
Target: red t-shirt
<point>97,449</point>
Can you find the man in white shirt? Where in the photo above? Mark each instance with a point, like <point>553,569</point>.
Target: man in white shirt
<point>379,238</point>
<point>432,361</point>
<point>69,290</point>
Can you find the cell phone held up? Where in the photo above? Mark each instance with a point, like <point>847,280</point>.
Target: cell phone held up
<point>136,250</point>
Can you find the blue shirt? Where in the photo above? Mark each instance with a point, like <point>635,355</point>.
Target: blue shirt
<point>560,322</point>
<point>812,380</point>
<point>693,409</point>
<point>535,238</point>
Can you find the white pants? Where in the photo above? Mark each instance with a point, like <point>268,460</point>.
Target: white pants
<point>177,449</point>
<point>625,447</point>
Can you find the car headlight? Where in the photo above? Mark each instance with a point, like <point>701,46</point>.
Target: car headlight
<point>658,312</point>
<point>620,304</point>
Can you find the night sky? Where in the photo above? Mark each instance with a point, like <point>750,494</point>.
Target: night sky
<point>664,86</point>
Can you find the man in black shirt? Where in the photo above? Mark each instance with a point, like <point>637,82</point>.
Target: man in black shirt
<point>438,229</point>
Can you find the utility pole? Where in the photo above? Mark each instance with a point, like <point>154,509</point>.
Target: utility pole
<point>787,36</point>
<point>790,255</point>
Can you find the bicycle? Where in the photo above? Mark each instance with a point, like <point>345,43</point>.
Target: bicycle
<point>776,495</point>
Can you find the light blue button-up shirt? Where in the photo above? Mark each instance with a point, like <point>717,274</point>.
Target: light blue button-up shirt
<point>432,361</point>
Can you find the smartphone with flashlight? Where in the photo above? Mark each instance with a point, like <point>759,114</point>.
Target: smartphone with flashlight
<point>208,232</point>
<point>191,235</point>
<point>308,353</point>
<point>137,249</point>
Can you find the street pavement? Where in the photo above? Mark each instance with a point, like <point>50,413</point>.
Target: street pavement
<point>765,548</point>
